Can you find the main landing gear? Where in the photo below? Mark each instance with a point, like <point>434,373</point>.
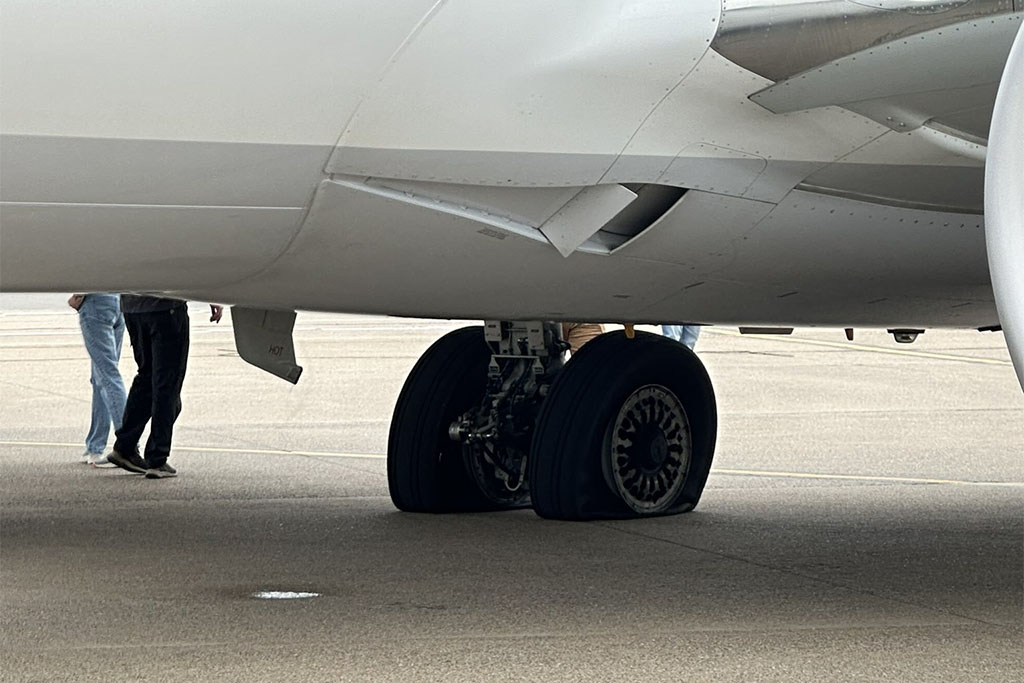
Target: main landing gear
<point>490,419</point>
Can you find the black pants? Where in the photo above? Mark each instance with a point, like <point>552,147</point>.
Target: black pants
<point>160,346</point>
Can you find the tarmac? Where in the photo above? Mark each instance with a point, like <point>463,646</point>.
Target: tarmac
<point>864,522</point>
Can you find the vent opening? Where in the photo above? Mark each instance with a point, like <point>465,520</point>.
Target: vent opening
<point>651,203</point>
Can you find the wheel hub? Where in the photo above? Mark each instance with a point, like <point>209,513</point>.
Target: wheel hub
<point>499,471</point>
<point>649,449</point>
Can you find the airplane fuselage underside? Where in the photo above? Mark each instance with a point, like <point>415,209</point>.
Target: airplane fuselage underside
<point>357,158</point>
<point>420,248</point>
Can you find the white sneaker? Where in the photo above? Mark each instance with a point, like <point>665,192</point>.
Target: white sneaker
<point>99,460</point>
<point>86,457</point>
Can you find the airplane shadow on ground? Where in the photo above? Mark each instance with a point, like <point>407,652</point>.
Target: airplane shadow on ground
<point>802,553</point>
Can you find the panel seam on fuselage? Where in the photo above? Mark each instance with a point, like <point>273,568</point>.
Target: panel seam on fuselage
<point>660,102</point>
<point>325,175</point>
<point>155,206</point>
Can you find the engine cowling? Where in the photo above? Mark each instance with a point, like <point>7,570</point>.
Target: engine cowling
<point>1004,203</point>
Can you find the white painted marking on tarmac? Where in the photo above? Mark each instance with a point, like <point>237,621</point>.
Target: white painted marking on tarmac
<point>858,477</point>
<point>284,595</point>
<point>258,451</point>
<point>848,346</point>
<point>729,472</point>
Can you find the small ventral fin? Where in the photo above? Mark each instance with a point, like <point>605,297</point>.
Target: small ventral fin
<point>264,339</point>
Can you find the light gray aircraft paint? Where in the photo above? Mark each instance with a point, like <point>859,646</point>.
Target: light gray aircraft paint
<point>1005,203</point>
<point>407,158</point>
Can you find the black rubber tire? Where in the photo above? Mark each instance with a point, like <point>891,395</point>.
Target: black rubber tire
<point>426,472</point>
<point>567,480</point>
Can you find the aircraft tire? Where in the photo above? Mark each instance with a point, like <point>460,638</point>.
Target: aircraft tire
<point>426,471</point>
<point>647,399</point>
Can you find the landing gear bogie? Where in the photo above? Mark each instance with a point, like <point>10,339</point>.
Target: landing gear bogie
<point>491,419</point>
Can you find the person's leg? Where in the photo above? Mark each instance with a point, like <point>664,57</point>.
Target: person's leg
<point>170,357</point>
<point>578,334</point>
<point>672,331</point>
<point>104,349</point>
<point>117,409</point>
<point>684,334</point>
<point>139,406</point>
<point>99,423</point>
<point>93,336</point>
<point>690,335</point>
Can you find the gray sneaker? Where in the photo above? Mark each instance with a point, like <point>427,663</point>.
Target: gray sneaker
<point>99,460</point>
<point>132,463</point>
<point>161,472</point>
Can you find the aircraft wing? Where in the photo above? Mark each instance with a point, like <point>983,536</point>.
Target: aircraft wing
<point>944,78</point>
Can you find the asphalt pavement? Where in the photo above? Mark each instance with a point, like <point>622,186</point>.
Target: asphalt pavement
<point>864,522</point>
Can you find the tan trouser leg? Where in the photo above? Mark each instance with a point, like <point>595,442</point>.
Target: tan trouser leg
<point>578,334</point>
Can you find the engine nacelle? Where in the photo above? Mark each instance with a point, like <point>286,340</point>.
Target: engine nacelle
<point>1004,203</point>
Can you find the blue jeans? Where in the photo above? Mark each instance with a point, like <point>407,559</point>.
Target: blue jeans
<point>684,334</point>
<point>102,330</point>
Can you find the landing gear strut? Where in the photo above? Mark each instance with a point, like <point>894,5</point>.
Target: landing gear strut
<point>496,434</point>
<point>492,419</point>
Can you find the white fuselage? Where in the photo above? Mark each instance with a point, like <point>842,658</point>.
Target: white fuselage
<point>401,157</point>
